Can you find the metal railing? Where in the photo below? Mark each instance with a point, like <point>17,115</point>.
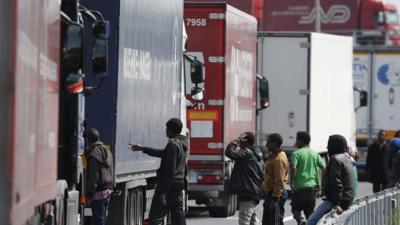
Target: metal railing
<point>382,208</point>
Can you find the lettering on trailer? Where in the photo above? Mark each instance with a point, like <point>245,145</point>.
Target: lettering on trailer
<point>196,22</point>
<point>361,71</point>
<point>137,64</point>
<point>48,68</point>
<point>336,14</point>
<point>242,83</point>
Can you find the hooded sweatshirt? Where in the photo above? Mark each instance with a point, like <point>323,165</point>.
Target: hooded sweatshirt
<point>100,169</point>
<point>338,184</point>
<point>173,162</point>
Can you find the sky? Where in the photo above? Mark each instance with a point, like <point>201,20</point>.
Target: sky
<point>397,2</point>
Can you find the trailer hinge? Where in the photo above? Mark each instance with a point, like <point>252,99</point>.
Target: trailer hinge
<point>216,59</point>
<point>305,44</point>
<point>215,145</point>
<point>216,16</point>
<point>216,102</point>
<point>304,92</point>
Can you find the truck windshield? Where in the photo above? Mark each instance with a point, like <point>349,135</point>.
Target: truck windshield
<point>391,17</point>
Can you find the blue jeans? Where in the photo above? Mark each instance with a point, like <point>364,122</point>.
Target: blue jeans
<point>324,208</point>
<point>99,211</point>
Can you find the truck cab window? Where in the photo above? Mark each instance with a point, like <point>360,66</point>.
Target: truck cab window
<point>391,17</point>
<point>379,18</point>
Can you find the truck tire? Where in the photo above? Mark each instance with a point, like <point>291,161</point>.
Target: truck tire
<point>233,204</point>
<point>224,211</point>
<point>61,202</point>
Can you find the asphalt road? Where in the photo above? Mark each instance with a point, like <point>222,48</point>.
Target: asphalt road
<point>199,215</point>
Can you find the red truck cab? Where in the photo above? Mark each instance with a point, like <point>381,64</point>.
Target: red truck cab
<point>377,15</point>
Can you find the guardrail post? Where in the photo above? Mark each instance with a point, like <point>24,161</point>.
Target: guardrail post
<point>394,212</point>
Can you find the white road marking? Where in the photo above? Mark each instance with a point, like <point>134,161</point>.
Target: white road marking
<point>288,218</point>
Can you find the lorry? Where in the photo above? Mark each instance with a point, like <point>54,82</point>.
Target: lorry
<point>376,70</point>
<point>145,88</point>
<point>64,66</point>
<point>29,93</point>
<point>312,91</point>
<point>229,106</point>
<point>41,65</point>
<point>368,21</point>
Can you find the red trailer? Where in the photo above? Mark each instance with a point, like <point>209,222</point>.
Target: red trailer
<point>370,21</point>
<point>224,38</point>
<point>29,92</point>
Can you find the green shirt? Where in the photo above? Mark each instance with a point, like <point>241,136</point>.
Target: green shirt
<point>307,163</point>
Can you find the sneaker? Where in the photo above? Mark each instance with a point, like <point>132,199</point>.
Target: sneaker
<point>303,222</point>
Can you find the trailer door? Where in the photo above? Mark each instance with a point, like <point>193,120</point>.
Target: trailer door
<point>284,61</point>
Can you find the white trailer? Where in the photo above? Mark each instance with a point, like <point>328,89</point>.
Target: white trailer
<point>376,70</point>
<point>311,87</point>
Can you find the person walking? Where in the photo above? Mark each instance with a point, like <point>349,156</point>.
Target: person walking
<point>168,196</point>
<point>247,175</point>
<point>305,177</point>
<point>99,177</point>
<point>275,177</point>
<point>375,162</point>
<point>337,182</point>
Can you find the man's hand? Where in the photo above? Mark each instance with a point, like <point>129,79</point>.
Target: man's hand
<point>338,209</point>
<point>163,199</point>
<point>135,147</point>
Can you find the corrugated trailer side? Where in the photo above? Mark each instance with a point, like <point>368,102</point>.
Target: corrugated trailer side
<point>240,74</point>
<point>142,91</point>
<point>29,111</point>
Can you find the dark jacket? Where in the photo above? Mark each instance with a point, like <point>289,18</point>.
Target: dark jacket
<point>339,184</point>
<point>375,162</point>
<point>338,180</point>
<point>393,162</point>
<point>100,172</point>
<point>173,162</point>
<point>247,176</point>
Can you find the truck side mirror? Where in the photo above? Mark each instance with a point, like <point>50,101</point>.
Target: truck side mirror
<point>196,71</point>
<point>74,83</point>
<point>197,93</point>
<point>72,50</point>
<point>363,98</point>
<point>263,89</point>
<point>100,57</point>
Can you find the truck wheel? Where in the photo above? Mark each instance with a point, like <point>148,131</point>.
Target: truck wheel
<point>233,204</point>
<point>134,209</point>
<point>224,211</point>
